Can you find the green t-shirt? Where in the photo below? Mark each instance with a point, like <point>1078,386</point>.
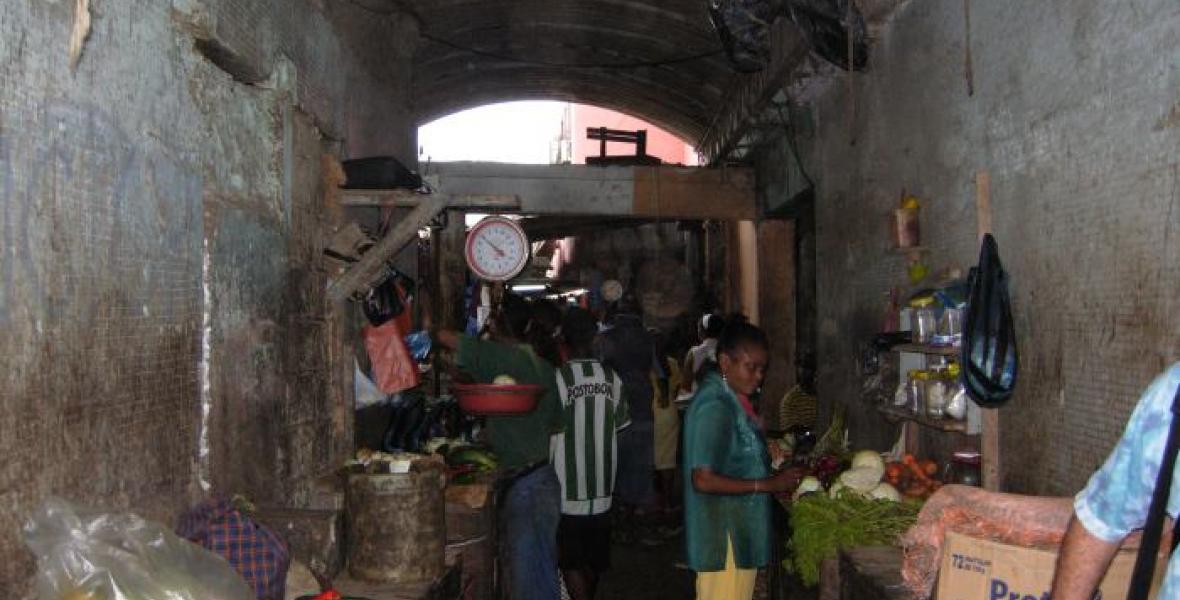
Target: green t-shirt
<point>719,435</point>
<point>517,440</point>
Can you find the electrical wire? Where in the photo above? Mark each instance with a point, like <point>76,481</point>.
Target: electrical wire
<point>542,63</point>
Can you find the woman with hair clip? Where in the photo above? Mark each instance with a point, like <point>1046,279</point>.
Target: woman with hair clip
<point>700,355</point>
<point>727,470</point>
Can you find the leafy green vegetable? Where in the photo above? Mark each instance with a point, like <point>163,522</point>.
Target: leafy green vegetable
<point>822,526</point>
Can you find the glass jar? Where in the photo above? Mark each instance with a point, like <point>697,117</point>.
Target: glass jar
<point>917,390</point>
<point>925,325</point>
<point>956,403</point>
<point>937,395</point>
<point>965,468</point>
<point>951,323</point>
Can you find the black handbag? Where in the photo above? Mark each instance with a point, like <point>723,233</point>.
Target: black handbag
<point>989,359</point>
<point>1153,529</point>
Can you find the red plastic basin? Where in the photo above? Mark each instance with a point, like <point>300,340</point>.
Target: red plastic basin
<point>490,399</point>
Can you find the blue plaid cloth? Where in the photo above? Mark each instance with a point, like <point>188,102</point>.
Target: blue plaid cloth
<point>258,553</point>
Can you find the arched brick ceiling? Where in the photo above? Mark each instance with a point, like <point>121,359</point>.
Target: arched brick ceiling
<point>465,57</point>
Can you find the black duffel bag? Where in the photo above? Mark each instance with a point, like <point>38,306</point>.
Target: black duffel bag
<point>989,359</point>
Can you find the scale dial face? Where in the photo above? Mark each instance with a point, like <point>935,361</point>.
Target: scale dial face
<point>497,249</point>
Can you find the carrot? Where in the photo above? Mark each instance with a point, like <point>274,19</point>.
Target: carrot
<point>915,491</point>
<point>916,470</point>
<point>929,466</point>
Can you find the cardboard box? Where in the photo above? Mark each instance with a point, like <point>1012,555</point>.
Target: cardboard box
<point>975,569</point>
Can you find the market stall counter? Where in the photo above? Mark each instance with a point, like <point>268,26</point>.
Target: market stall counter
<point>872,573</point>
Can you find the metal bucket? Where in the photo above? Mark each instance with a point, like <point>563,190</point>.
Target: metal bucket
<point>396,527</point>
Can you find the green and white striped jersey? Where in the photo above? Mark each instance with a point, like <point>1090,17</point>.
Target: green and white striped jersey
<point>584,453</point>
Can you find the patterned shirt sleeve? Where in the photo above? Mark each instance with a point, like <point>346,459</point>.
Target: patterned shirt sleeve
<point>1116,500</point>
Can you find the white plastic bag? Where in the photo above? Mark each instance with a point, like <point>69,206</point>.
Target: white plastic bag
<point>88,555</point>
<point>365,391</point>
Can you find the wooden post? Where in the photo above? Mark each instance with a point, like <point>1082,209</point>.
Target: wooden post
<point>990,433</point>
<point>362,273</point>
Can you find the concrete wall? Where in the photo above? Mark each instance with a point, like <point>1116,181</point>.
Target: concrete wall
<point>1076,115</point>
<point>159,261</point>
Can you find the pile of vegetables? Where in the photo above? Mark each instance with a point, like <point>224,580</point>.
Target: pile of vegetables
<point>864,478</point>
<point>868,475</point>
<point>465,462</point>
<point>822,525</point>
<point>858,506</point>
<point>915,478</point>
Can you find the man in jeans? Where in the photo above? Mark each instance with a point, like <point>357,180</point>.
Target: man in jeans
<point>531,503</point>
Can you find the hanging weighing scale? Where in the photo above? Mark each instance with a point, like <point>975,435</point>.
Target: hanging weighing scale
<point>497,249</point>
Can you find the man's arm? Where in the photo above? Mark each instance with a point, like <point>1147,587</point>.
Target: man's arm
<point>447,339</point>
<point>1083,561</point>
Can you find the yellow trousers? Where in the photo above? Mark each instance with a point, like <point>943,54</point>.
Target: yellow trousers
<point>730,584</point>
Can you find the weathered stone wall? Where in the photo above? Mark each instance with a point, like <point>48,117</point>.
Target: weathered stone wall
<point>160,280</point>
<point>1075,116</point>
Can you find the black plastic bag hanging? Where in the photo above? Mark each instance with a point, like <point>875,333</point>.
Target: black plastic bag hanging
<point>989,358</point>
<point>744,29</point>
<point>827,24</point>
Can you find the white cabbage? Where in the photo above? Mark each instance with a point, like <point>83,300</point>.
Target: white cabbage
<point>884,491</point>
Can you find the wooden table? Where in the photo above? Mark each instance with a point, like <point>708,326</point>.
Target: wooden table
<point>872,573</point>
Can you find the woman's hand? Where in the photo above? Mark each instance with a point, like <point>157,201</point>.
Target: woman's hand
<point>778,454</point>
<point>786,481</point>
<point>704,480</point>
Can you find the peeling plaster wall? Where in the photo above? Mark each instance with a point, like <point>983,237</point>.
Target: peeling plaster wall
<point>159,249</point>
<point>1074,115</point>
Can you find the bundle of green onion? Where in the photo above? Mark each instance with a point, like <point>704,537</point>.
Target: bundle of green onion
<point>822,526</point>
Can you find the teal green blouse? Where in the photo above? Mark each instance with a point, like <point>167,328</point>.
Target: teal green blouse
<point>719,435</point>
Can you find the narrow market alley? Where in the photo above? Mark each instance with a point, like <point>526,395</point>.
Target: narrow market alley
<point>425,299</point>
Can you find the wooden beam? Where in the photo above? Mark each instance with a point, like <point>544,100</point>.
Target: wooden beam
<point>717,194</point>
<point>411,199</point>
<point>362,274</point>
<point>663,192</point>
<point>990,431</point>
<point>554,228</point>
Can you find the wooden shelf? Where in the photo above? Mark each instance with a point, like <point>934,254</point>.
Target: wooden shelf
<point>949,425</point>
<point>924,349</point>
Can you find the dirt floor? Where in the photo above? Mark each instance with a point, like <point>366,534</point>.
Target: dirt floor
<point>642,572</point>
<point>646,568</point>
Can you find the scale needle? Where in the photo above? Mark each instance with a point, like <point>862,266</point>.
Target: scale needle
<point>498,251</point>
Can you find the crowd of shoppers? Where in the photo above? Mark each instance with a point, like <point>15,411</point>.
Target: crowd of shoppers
<point>623,417</point>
